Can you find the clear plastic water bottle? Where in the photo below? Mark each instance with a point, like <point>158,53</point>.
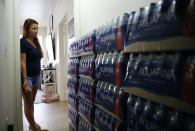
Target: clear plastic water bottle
<point>102,94</point>
<point>93,67</point>
<point>122,63</point>
<point>111,97</point>
<point>105,100</point>
<point>190,126</point>
<point>123,104</point>
<point>176,121</point>
<point>110,69</point>
<point>129,70</point>
<point>140,17</point>
<point>77,66</point>
<point>101,66</point>
<point>130,105</point>
<point>117,98</point>
<point>145,119</point>
<point>80,67</point>
<point>96,65</point>
<point>92,41</point>
<point>138,64</point>
<point>98,76</point>
<point>102,33</point>
<point>137,111</point>
<point>114,62</point>
<point>160,118</point>
<point>104,67</point>
<point>104,39</point>
<point>88,64</point>
<point>121,32</point>
<point>92,91</point>
<point>98,91</point>
<point>97,40</point>
<point>131,26</point>
<point>110,36</point>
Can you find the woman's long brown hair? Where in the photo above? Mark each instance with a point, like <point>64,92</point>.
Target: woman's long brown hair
<point>26,27</point>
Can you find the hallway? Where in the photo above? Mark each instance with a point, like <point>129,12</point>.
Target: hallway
<point>52,116</point>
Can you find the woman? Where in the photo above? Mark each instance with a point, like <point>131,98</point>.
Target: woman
<point>31,54</point>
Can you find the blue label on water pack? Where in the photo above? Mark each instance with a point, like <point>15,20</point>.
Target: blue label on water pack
<point>108,41</point>
<point>97,95</point>
<point>157,25</point>
<point>162,75</point>
<point>93,42</point>
<point>108,73</point>
<point>111,100</point>
<point>133,77</point>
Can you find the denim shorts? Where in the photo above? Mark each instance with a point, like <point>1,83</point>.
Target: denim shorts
<point>33,81</point>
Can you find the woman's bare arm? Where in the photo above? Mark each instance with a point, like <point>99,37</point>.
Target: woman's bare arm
<point>23,66</point>
<point>24,74</point>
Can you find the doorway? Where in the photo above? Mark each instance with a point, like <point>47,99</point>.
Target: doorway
<point>52,115</point>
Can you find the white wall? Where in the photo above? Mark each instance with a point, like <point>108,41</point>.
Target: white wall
<point>10,89</point>
<point>90,14</point>
<point>43,33</point>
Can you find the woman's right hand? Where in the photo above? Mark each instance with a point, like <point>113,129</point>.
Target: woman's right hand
<point>27,87</point>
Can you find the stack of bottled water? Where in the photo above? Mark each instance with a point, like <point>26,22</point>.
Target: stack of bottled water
<point>72,84</point>
<point>158,21</point>
<point>71,127</point>
<point>146,115</point>
<point>72,100</point>
<point>111,67</point>
<point>73,65</point>
<point>84,126</point>
<point>86,89</point>
<point>86,66</point>
<point>73,118</point>
<point>110,37</point>
<point>84,45</point>
<point>107,122</point>
<point>111,98</point>
<point>159,72</point>
<point>86,109</point>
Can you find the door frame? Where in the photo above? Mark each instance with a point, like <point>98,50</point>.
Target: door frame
<point>18,119</point>
<point>63,56</point>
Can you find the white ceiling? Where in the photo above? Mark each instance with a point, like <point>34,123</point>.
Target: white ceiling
<point>39,10</point>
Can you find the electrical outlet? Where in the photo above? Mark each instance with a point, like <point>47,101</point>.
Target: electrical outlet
<point>10,127</point>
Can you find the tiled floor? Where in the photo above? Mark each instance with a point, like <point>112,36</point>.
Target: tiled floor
<point>52,116</point>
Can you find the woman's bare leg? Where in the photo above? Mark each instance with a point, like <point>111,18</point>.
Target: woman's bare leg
<point>28,104</point>
<point>34,92</point>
